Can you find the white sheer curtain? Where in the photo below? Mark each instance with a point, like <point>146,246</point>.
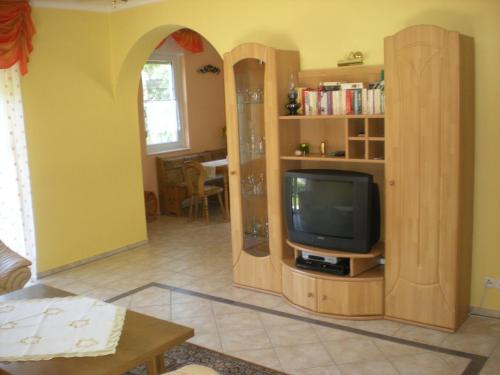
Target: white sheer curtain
<point>16,212</point>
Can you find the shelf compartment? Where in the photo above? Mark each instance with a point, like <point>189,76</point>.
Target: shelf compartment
<point>355,127</point>
<point>356,150</point>
<point>376,150</point>
<point>374,274</point>
<point>358,262</point>
<point>376,127</point>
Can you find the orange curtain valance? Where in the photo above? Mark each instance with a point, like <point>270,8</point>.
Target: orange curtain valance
<point>189,40</point>
<point>16,31</point>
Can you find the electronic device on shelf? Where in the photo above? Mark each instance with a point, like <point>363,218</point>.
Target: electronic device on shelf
<point>318,263</point>
<point>332,209</point>
<point>338,153</point>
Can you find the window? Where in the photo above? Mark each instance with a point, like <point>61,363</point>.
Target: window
<point>163,92</point>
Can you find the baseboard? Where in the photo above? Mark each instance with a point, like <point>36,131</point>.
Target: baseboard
<point>485,312</point>
<point>78,263</point>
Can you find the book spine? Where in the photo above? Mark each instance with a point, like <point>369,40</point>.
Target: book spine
<point>300,100</point>
<point>351,86</point>
<point>318,102</point>
<point>356,95</point>
<point>336,103</point>
<point>323,107</point>
<point>348,102</point>
<point>307,105</point>
<point>370,101</point>
<point>382,102</point>
<point>342,108</point>
<point>364,101</point>
<point>311,102</point>
<point>376,101</point>
<point>329,102</point>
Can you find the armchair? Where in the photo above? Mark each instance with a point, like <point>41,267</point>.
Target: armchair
<point>14,270</point>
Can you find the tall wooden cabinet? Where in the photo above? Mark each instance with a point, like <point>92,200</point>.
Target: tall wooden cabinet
<point>429,78</point>
<point>253,76</point>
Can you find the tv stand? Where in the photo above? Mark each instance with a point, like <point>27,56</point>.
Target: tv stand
<point>357,295</point>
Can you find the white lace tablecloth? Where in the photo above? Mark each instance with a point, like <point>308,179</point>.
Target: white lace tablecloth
<point>39,329</point>
<point>211,166</point>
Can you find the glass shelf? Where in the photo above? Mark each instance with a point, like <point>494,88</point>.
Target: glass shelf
<point>249,77</point>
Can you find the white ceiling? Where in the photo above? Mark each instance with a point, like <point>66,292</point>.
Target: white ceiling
<point>90,5</point>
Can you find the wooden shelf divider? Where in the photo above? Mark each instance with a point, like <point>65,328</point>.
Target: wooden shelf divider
<point>324,117</point>
<point>331,159</point>
<point>376,251</point>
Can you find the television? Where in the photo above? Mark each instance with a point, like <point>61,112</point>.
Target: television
<point>332,209</point>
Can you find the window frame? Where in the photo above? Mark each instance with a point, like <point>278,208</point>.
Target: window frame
<point>177,62</point>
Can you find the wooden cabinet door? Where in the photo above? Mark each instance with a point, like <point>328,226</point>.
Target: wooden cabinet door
<point>299,289</point>
<point>422,160</point>
<point>351,298</point>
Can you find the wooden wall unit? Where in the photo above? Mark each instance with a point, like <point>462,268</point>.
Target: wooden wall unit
<point>429,171</point>
<point>360,295</point>
<point>421,156</point>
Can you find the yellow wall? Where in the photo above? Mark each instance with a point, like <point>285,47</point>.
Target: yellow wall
<point>322,30</point>
<point>84,164</point>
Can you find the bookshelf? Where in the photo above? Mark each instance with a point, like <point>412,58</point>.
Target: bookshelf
<point>253,74</point>
<point>360,136</point>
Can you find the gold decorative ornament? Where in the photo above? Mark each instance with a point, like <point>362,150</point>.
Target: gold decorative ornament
<point>354,58</point>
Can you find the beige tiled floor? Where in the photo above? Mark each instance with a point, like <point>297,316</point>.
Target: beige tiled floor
<point>197,257</point>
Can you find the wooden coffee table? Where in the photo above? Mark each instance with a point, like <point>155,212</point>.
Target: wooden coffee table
<point>143,340</point>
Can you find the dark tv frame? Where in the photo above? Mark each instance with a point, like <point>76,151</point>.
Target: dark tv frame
<point>366,208</point>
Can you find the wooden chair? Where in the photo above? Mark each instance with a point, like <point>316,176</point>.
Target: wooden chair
<point>195,177</point>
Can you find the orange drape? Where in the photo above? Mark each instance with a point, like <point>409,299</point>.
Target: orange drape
<point>189,40</point>
<point>16,31</point>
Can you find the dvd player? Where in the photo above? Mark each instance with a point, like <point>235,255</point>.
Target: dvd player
<point>341,267</point>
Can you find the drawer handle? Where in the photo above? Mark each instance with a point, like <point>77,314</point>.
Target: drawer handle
<point>323,298</point>
<point>392,183</point>
<point>310,294</point>
<point>232,173</point>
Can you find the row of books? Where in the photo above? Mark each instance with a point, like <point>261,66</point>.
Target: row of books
<point>336,98</point>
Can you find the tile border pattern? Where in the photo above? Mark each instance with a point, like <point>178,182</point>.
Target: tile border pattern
<point>474,367</point>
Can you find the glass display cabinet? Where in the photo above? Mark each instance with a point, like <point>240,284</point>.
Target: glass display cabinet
<point>249,81</point>
<point>252,82</point>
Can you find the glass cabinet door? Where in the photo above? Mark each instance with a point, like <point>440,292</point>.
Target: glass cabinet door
<point>249,79</point>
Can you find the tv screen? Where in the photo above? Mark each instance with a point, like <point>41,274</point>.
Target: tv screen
<point>316,210</point>
<point>332,209</point>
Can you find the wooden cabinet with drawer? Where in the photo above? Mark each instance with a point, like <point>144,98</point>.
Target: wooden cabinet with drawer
<point>299,289</point>
<point>352,297</point>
